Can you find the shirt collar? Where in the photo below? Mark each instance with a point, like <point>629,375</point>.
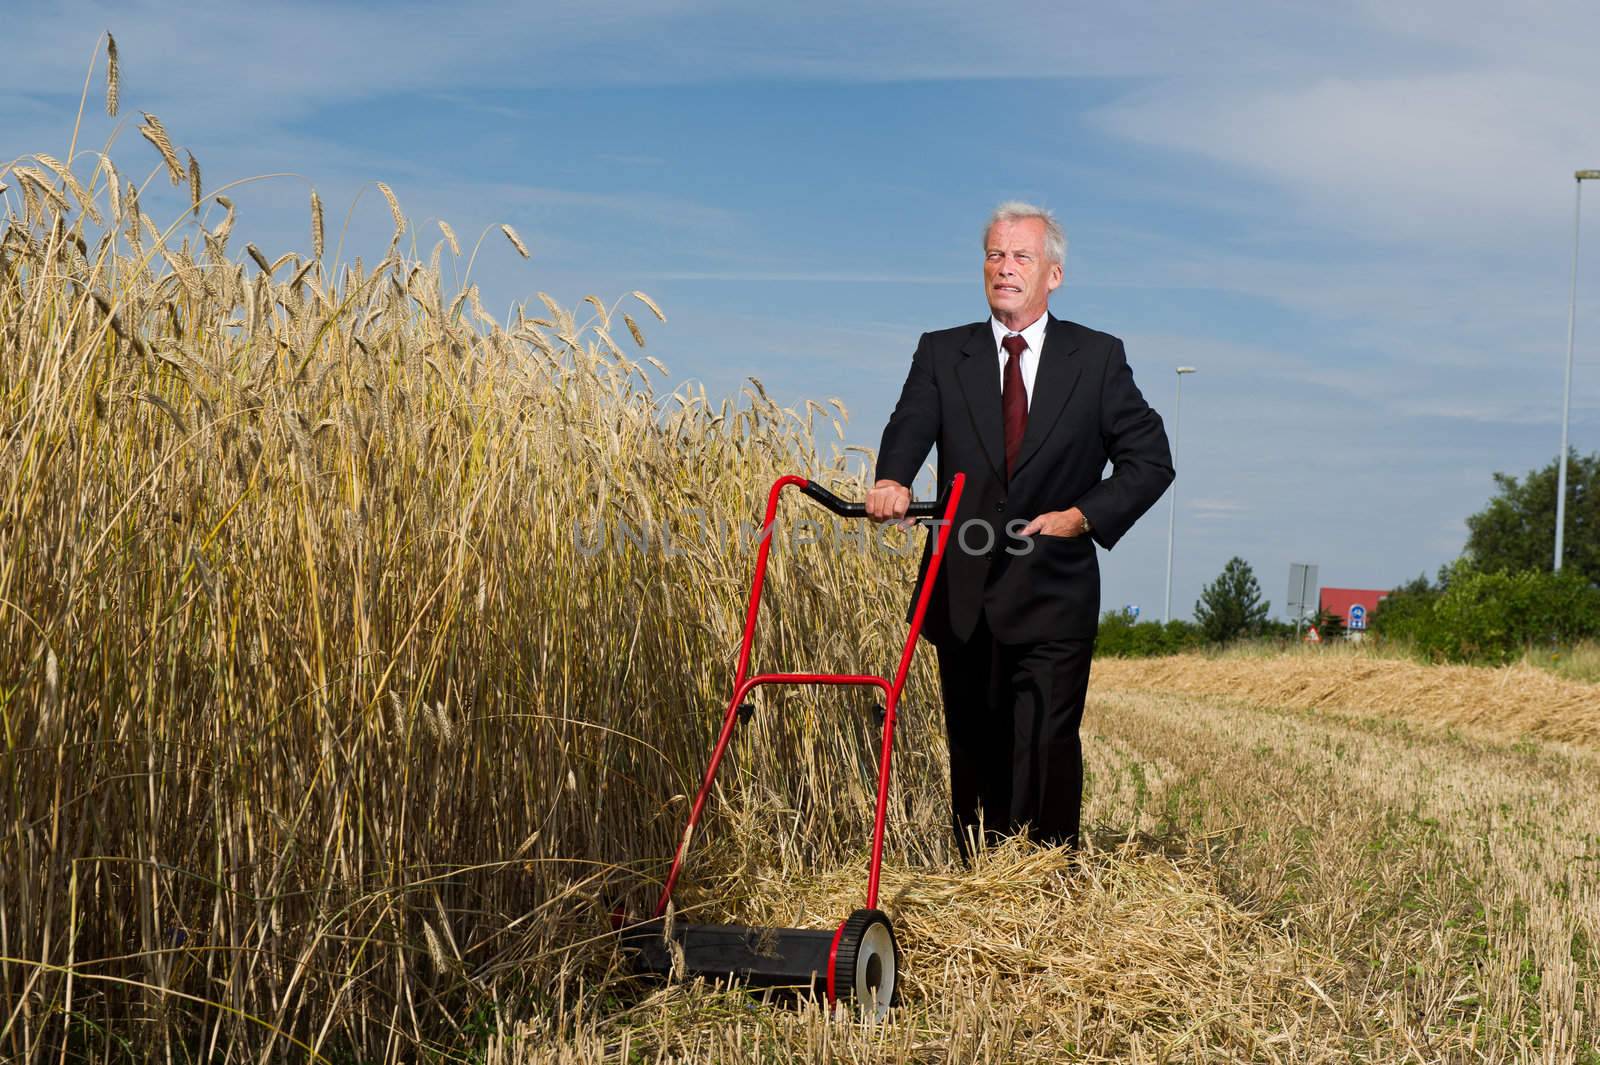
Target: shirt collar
<point>1033,334</point>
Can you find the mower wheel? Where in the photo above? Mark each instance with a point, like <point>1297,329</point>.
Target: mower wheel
<point>865,974</point>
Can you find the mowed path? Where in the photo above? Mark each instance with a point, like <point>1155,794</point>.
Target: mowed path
<point>1266,879</point>
<point>1453,872</point>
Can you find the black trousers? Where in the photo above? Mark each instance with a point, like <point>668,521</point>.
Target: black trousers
<point>1011,713</point>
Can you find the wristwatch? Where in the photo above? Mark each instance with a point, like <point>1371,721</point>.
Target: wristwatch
<point>1085,528</point>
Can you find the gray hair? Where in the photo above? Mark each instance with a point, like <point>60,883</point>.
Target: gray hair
<point>1055,241</point>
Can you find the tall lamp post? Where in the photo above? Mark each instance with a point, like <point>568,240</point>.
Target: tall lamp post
<point>1566,385</point>
<point>1172,511</point>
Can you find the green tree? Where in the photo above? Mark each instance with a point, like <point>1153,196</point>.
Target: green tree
<point>1231,606</point>
<point>1517,530</point>
<point>1402,613</point>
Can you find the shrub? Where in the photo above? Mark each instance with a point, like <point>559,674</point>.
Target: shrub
<point>1122,636</point>
<point>1404,610</point>
<point>1494,616</point>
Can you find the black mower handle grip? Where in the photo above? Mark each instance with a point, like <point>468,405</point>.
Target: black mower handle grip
<point>928,508</point>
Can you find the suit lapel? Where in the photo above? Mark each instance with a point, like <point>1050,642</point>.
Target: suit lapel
<point>1053,383</point>
<point>979,373</point>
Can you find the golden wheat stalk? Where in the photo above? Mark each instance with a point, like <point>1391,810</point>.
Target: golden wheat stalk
<point>135,217</point>
<point>113,189</point>
<point>394,209</point>
<point>648,302</point>
<point>633,328</point>
<point>70,180</point>
<point>316,225</point>
<point>516,241</point>
<point>301,274</point>
<point>30,199</point>
<point>224,227</point>
<point>34,179</point>
<point>154,132</point>
<point>113,77</point>
<point>194,183</point>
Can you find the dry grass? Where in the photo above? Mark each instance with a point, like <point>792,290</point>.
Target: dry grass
<point>1029,956</point>
<point>1265,885</point>
<point>324,735</point>
<point>1455,877</point>
<point>1511,701</point>
<point>1577,662</point>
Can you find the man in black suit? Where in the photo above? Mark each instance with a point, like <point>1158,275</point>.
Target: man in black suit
<point>1030,408</point>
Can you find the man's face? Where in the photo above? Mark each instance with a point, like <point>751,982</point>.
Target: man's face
<point>1017,275</point>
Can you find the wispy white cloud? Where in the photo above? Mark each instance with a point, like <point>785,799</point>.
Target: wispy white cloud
<point>1471,138</point>
<point>298,54</point>
<point>1213,509</point>
<point>812,277</point>
<point>1479,412</point>
<point>1462,157</point>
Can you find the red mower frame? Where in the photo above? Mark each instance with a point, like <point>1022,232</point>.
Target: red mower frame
<point>942,512</point>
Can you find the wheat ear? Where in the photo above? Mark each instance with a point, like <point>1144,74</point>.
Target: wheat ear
<point>156,134</point>
<point>516,241</point>
<point>113,78</point>
<point>394,209</point>
<point>316,225</point>
<point>194,183</point>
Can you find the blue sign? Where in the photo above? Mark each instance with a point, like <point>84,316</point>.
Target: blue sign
<point>1132,611</point>
<point>1358,617</point>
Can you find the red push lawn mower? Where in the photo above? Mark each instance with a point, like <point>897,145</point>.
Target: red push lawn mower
<point>857,963</point>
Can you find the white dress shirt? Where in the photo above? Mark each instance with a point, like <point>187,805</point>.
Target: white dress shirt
<point>1034,336</point>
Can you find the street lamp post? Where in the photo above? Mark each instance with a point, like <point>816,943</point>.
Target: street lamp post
<point>1172,510</point>
<point>1566,385</point>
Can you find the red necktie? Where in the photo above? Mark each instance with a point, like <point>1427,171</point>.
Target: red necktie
<point>1014,399</point>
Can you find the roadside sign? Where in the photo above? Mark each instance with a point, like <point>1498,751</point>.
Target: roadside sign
<point>1358,617</point>
<point>1312,635</point>
<point>1133,610</point>
<point>1302,590</point>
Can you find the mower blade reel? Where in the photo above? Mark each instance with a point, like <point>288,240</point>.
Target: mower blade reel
<point>765,957</point>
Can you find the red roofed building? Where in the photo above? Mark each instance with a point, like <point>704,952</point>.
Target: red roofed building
<point>1355,606</point>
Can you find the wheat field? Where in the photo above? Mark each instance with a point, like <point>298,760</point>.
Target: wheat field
<point>332,728</point>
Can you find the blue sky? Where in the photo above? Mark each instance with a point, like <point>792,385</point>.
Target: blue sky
<point>1355,219</point>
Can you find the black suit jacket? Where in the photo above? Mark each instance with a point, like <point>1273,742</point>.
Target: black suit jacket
<point>1085,411</point>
